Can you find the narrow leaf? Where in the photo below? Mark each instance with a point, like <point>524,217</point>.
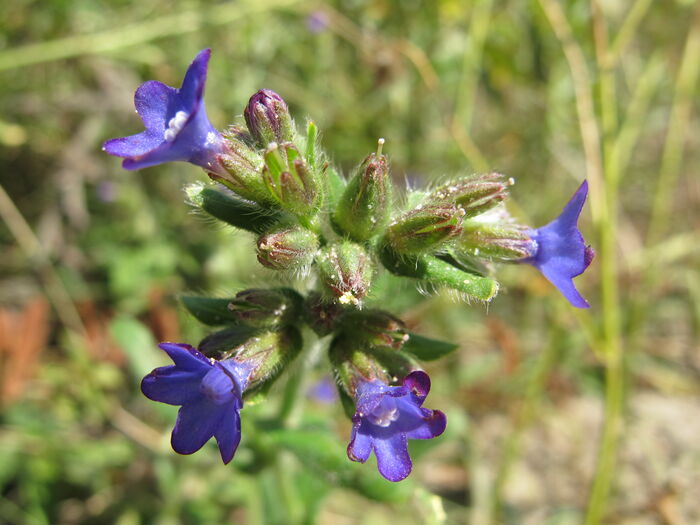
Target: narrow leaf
<point>427,349</point>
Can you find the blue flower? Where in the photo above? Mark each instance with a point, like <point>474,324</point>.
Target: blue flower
<point>386,417</point>
<point>177,126</point>
<point>211,395</point>
<point>562,253</point>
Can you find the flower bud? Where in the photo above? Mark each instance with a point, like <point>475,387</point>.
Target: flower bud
<point>287,249</point>
<point>501,242</point>
<point>424,229</point>
<point>365,206</point>
<point>243,167</point>
<point>290,180</point>
<point>268,119</point>
<point>320,314</point>
<point>375,328</point>
<point>346,271</point>
<point>266,308</point>
<point>475,194</point>
<point>223,205</point>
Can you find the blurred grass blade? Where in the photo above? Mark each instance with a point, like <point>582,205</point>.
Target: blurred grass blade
<point>140,347</point>
<point>131,35</point>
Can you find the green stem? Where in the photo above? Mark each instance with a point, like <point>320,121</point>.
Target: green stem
<point>290,406</point>
<point>511,448</point>
<point>679,121</point>
<point>607,231</point>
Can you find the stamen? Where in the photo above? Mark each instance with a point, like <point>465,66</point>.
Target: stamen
<point>175,126</point>
<point>385,413</point>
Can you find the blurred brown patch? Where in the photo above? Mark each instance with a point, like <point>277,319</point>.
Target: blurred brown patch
<point>23,336</point>
<point>98,341</point>
<point>507,341</point>
<point>162,318</point>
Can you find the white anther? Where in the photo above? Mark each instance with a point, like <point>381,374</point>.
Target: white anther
<point>175,126</point>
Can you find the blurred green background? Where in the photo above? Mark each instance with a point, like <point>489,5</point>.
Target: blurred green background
<point>548,92</point>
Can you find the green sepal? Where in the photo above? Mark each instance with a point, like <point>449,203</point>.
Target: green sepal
<point>212,311</point>
<point>220,344</point>
<point>335,186</point>
<point>426,348</point>
<point>232,210</point>
<point>436,271</point>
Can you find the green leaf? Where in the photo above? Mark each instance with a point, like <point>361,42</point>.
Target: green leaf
<point>427,349</point>
<point>211,311</point>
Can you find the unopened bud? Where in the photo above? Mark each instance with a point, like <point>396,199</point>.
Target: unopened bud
<point>320,314</point>
<point>290,180</point>
<point>266,308</point>
<point>475,194</point>
<point>425,228</point>
<point>243,168</point>
<point>365,206</point>
<point>376,328</point>
<point>268,119</point>
<point>346,271</point>
<point>287,249</point>
<point>507,242</point>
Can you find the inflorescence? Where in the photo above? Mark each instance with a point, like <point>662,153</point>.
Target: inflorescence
<point>273,181</point>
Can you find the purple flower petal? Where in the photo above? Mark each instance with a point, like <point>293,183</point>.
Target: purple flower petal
<point>197,421</point>
<point>177,126</point>
<point>186,357</point>
<point>360,445</point>
<point>393,460</point>
<point>154,101</point>
<point>386,417</point>
<point>433,424</point>
<point>562,253</point>
<point>418,382</point>
<point>172,385</point>
<point>192,88</point>
<point>228,434</point>
<point>134,145</point>
<point>211,395</point>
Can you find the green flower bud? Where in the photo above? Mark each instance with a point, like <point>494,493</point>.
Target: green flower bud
<point>424,229</point>
<point>266,308</point>
<point>365,206</point>
<point>243,166</point>
<point>375,328</point>
<point>287,249</point>
<point>475,194</point>
<point>268,119</point>
<point>496,241</point>
<point>225,206</point>
<point>346,271</point>
<point>290,181</point>
<point>320,314</point>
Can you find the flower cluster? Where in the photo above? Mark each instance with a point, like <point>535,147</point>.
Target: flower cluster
<point>271,180</point>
